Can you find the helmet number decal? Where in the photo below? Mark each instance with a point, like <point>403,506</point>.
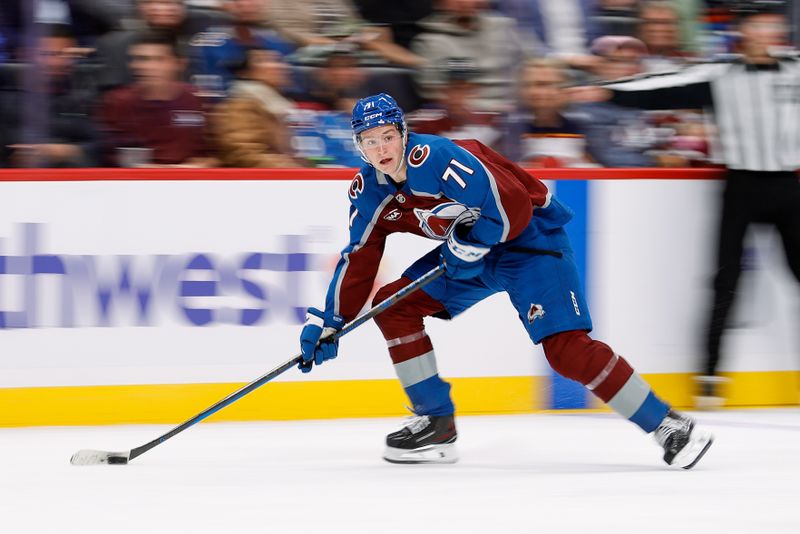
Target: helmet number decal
<point>356,186</point>
<point>450,172</point>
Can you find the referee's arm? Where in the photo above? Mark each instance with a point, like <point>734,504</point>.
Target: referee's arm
<point>690,96</point>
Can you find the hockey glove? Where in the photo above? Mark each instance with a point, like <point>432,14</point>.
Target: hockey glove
<point>461,258</point>
<point>316,345</point>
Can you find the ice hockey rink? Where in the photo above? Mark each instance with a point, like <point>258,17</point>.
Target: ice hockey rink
<point>540,473</point>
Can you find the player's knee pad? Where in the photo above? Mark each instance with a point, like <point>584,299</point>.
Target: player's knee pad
<point>575,355</point>
<point>400,319</point>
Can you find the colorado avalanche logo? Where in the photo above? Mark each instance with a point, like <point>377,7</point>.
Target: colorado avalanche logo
<point>418,155</point>
<point>536,311</point>
<point>356,186</point>
<point>438,223</point>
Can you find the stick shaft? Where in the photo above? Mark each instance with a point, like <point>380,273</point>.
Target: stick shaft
<point>390,301</point>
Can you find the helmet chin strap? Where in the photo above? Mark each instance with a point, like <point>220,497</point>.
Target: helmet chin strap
<point>403,153</point>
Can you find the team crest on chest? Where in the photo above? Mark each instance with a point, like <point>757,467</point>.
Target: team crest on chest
<point>438,222</point>
<point>418,155</point>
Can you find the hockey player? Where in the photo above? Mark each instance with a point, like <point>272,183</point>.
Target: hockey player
<point>501,230</point>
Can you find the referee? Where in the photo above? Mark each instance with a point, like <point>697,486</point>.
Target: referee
<point>756,104</point>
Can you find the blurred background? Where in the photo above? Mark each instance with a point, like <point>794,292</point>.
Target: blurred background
<point>270,83</point>
<point>172,84</point>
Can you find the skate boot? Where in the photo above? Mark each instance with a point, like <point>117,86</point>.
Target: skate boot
<point>424,439</point>
<point>683,444</point>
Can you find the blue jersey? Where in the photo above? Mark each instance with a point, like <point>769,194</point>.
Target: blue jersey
<point>447,183</point>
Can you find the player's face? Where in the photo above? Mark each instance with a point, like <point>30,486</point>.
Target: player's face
<point>383,147</point>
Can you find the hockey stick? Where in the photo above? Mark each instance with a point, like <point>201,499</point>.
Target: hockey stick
<point>93,457</point>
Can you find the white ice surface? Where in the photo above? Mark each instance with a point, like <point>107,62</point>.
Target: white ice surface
<point>538,473</point>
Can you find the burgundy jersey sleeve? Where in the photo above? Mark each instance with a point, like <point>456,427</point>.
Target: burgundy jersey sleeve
<point>358,263</point>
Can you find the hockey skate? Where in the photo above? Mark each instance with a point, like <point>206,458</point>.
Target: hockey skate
<point>424,439</point>
<point>683,444</point>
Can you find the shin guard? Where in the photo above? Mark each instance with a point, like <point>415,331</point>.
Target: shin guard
<point>575,355</point>
<point>411,349</point>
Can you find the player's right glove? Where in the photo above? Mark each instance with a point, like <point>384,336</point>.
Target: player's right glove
<point>461,258</point>
<point>316,344</point>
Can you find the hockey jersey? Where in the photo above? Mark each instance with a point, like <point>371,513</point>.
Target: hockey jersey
<point>447,183</point>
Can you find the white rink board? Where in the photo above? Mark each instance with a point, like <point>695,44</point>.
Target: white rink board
<point>227,220</point>
<point>650,253</point>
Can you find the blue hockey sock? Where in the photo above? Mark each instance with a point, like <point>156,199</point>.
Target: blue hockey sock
<point>650,413</point>
<point>431,397</point>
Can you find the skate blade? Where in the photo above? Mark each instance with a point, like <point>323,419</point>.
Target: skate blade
<point>430,454</point>
<point>694,450</point>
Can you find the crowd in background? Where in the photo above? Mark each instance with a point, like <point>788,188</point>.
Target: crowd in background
<point>270,83</point>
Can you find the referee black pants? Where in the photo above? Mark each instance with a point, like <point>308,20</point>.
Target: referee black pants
<point>750,197</point>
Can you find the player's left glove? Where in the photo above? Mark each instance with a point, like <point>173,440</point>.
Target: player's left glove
<point>462,259</point>
<point>316,344</point>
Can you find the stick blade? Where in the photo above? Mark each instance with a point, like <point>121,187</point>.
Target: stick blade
<point>93,457</point>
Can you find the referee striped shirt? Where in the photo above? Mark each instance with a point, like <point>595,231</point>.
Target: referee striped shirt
<point>756,107</point>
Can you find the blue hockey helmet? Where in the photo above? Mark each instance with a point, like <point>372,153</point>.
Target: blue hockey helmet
<point>376,110</point>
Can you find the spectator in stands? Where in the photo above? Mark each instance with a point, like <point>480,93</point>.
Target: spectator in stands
<point>11,26</point>
<point>5,53</point>
<point>158,111</point>
<point>47,123</point>
<point>220,49</point>
<point>617,136</point>
<point>167,16</point>
<point>468,29</point>
<point>322,133</point>
<point>691,22</point>
<point>453,114</point>
<point>563,26</point>
<point>92,18</point>
<point>541,133</point>
<point>659,27</point>
<point>251,127</point>
<point>615,17</point>
<point>318,24</point>
<point>338,83</point>
<point>401,16</point>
